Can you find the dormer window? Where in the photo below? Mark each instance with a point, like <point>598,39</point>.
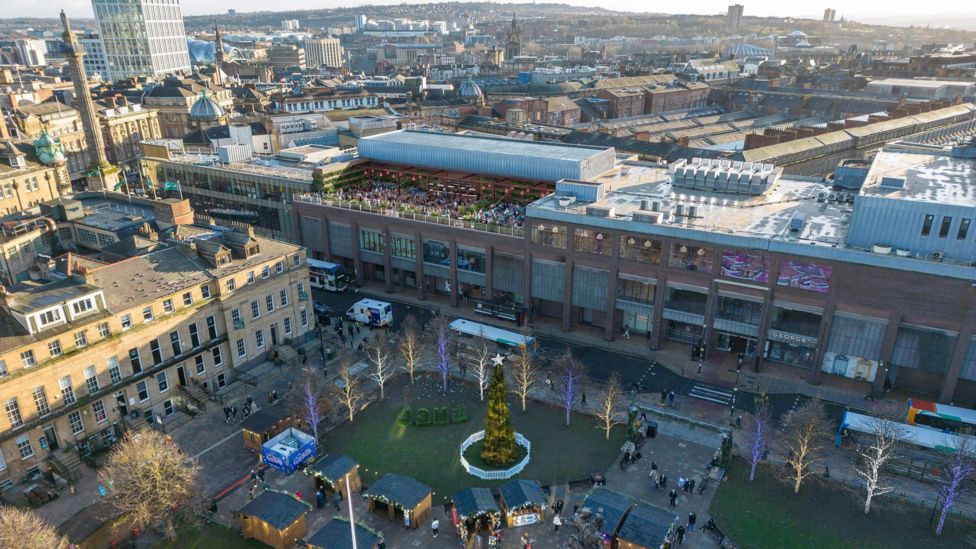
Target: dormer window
<point>82,306</point>
<point>49,317</point>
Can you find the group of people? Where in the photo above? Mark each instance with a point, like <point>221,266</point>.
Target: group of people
<point>502,213</point>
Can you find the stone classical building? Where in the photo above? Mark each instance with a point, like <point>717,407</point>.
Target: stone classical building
<point>97,349</point>
<point>124,125</point>
<point>25,181</point>
<point>60,122</point>
<point>174,100</point>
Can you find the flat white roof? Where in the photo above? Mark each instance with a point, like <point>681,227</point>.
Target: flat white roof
<point>491,333</point>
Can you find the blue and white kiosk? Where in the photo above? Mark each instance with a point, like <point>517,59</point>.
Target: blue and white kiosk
<point>288,450</point>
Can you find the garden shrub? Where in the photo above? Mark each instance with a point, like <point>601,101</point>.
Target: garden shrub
<point>459,415</point>
<point>441,416</point>
<point>422,417</point>
<point>405,417</point>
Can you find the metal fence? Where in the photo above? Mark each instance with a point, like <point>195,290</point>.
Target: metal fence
<point>495,474</point>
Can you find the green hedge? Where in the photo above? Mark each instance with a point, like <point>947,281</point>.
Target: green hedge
<point>423,418</point>
<point>405,417</point>
<point>439,415</point>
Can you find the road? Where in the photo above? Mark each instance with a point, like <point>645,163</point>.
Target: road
<point>639,372</point>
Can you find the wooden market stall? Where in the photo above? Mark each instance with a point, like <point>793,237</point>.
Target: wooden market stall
<point>647,527</point>
<point>400,493</point>
<point>329,472</point>
<point>523,502</point>
<point>274,518</point>
<point>476,514</point>
<point>611,507</point>
<point>336,534</point>
<point>264,424</point>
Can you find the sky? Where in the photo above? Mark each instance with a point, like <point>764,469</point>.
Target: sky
<point>850,8</point>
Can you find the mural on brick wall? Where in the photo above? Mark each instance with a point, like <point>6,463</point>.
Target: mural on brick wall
<point>745,266</point>
<point>805,276</point>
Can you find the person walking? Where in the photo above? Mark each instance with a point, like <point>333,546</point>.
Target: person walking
<point>664,396</point>
<point>233,412</point>
<point>681,535</point>
<point>671,399</point>
<point>626,332</point>
<point>692,518</point>
<point>691,486</point>
<point>226,414</point>
<point>673,496</point>
<point>434,526</point>
<point>583,397</point>
<point>556,522</point>
<point>664,482</point>
<point>319,500</point>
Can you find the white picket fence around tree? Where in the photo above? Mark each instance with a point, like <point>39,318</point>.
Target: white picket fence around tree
<point>495,474</point>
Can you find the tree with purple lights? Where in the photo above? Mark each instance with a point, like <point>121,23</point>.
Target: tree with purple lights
<point>441,334</point>
<point>759,436</point>
<point>955,474</point>
<point>569,378</point>
<point>312,404</point>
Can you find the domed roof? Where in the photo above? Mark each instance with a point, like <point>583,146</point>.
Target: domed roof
<point>44,140</point>
<point>205,108</point>
<point>48,149</point>
<point>798,34</point>
<point>469,89</point>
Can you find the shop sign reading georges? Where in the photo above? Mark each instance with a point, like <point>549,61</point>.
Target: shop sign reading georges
<point>792,339</point>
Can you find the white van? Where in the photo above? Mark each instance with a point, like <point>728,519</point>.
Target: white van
<point>371,312</point>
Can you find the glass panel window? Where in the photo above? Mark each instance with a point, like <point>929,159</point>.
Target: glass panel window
<point>269,302</point>
<point>437,252</point>
<point>218,360</point>
<point>24,447</point>
<point>279,267</point>
<point>795,322</point>
<point>13,412</point>
<point>174,340</point>
<point>104,330</point>
<point>255,310</point>
<point>27,359</point>
<point>212,326</point>
<point>205,291</point>
<point>114,370</point>
<point>194,335</point>
<point>927,225</point>
<point>692,258</point>
<point>135,360</point>
<point>91,380</point>
<point>200,366</point>
<point>283,297</point>
<point>83,306</point>
<point>3,369</point>
<point>371,241</point>
<point>99,410</point>
<point>54,347</point>
<point>963,229</point>
<point>81,338</point>
<point>640,248</point>
<point>40,401</point>
<point>403,247</point>
<point>685,300</point>
<point>259,338</point>
<point>296,260</point>
<point>147,314</point>
<point>265,272</point>
<point>162,381</point>
<point>67,390</point>
<point>6,484</point>
<point>471,259</point>
<point>944,229</point>
<point>142,390</point>
<point>287,323</point>
<point>168,408</point>
<point>187,299</point>
<point>126,322</point>
<point>637,291</point>
<point>241,348</point>
<point>304,317</point>
<point>168,306</point>
<point>74,419</point>
<point>231,284</point>
<point>552,236</point>
<point>250,277</point>
<point>592,241</point>
<point>739,310</point>
<point>157,352</point>
<point>49,317</point>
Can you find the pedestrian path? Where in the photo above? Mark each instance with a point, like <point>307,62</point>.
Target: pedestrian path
<point>712,393</point>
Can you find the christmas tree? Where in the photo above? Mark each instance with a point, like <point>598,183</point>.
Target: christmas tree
<point>499,445</point>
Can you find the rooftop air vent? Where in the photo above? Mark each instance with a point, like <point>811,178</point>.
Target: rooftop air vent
<point>893,182</point>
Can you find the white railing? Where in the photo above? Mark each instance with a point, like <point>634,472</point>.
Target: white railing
<point>495,474</point>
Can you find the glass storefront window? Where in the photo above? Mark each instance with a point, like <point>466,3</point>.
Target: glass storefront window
<point>685,300</point>
<point>371,241</point>
<point>795,322</point>
<point>437,252</point>
<point>553,236</point>
<point>692,258</point>
<point>403,247</point>
<point>592,242</point>
<point>682,331</point>
<point>471,259</point>
<point>640,248</point>
<point>637,291</point>
<point>923,349</point>
<point>738,310</point>
<point>793,355</point>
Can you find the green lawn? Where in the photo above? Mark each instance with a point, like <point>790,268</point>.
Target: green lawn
<point>766,514</point>
<point>210,537</point>
<point>430,454</point>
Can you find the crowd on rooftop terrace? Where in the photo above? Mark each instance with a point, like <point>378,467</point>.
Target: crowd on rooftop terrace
<point>379,194</point>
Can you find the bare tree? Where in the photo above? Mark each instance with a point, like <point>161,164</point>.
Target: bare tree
<point>569,378</point>
<point>805,434</point>
<point>759,435</point>
<point>482,362</point>
<point>881,446</point>
<point>23,528</point>
<point>525,373</point>
<point>379,352</point>
<point>347,390</point>
<point>440,331</point>
<point>955,476</point>
<point>148,477</point>
<point>312,405</point>
<point>608,413</point>
<point>411,345</point>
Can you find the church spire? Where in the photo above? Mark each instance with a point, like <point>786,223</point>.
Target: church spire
<point>218,57</point>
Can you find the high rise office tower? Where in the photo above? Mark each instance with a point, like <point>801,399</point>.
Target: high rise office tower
<point>734,17</point>
<point>102,174</point>
<point>31,52</point>
<point>323,51</point>
<point>142,37</point>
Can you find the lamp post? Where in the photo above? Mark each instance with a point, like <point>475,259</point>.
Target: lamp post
<point>352,520</point>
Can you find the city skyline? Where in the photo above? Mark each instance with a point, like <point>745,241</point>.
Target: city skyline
<point>871,11</point>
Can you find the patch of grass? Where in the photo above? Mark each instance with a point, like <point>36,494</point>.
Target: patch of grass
<point>766,513</point>
<point>209,536</point>
<point>430,454</point>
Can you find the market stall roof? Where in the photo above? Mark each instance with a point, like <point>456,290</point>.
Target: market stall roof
<point>399,489</point>
<point>278,509</point>
<point>332,467</point>
<point>337,535</point>
<point>265,418</point>
<point>519,493</point>
<point>614,506</point>
<point>647,525</point>
<point>473,501</point>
